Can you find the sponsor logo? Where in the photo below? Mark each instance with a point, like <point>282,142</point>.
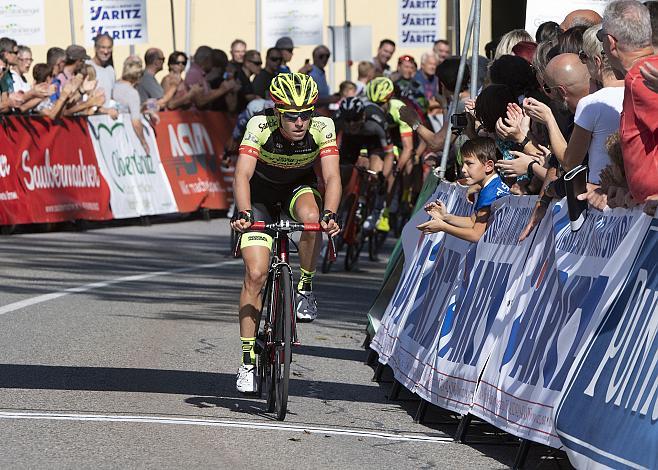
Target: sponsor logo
<point>50,176</point>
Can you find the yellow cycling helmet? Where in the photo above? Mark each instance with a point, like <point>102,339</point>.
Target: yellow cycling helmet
<point>294,90</point>
<point>379,90</point>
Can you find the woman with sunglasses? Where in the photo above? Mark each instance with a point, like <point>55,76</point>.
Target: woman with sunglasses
<point>597,115</point>
<point>282,151</point>
<point>184,96</point>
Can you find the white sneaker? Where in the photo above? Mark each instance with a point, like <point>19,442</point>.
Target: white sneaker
<point>307,306</point>
<point>247,381</point>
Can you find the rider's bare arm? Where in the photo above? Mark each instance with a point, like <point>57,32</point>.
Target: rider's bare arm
<point>331,176</point>
<point>244,170</point>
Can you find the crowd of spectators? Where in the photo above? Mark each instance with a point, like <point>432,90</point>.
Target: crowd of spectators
<point>579,92</point>
<point>583,92</point>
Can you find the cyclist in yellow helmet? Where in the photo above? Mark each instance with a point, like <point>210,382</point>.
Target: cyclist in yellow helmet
<point>282,151</point>
<point>380,90</point>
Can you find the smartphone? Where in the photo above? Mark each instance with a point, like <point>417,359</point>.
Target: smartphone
<point>227,76</point>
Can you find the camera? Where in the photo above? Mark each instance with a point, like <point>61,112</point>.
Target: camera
<point>459,121</point>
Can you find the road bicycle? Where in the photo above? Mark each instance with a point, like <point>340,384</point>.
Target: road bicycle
<point>357,203</point>
<point>279,330</point>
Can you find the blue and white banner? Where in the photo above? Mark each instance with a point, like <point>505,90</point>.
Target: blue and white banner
<point>477,312</point>
<point>138,182</point>
<point>608,413</point>
<point>551,311</point>
<point>123,20</point>
<point>420,253</point>
<point>419,335</point>
<point>420,23</point>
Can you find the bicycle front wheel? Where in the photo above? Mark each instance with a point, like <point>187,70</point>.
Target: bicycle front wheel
<point>282,353</point>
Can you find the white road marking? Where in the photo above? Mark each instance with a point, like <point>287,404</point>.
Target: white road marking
<point>223,424</point>
<point>99,285</point>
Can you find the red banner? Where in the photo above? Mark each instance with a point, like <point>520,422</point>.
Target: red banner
<point>191,145</point>
<point>49,173</point>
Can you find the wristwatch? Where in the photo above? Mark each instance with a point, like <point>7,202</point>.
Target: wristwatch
<point>523,143</point>
<point>415,126</point>
<point>531,172</point>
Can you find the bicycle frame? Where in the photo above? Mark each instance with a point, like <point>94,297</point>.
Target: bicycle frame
<point>358,192</point>
<point>281,257</point>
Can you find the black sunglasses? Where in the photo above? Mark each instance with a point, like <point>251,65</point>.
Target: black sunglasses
<point>276,59</point>
<point>292,117</point>
<point>289,50</point>
<point>256,62</point>
<point>181,62</point>
<point>601,34</point>
<point>582,56</point>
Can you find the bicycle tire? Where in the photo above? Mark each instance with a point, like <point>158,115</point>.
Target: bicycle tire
<point>354,251</point>
<point>326,262</point>
<point>282,342</point>
<point>268,350</point>
<point>376,240</point>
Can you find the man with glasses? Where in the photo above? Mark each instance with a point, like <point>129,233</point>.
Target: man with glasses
<point>261,83</point>
<point>286,46</point>
<point>321,56</point>
<point>627,43</point>
<point>282,151</point>
<point>148,87</point>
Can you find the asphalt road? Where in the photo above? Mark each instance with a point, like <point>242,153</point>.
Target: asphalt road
<point>120,347</point>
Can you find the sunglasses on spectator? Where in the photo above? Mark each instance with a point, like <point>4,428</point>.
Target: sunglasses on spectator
<point>292,117</point>
<point>256,62</point>
<point>289,50</point>
<point>601,34</point>
<point>13,51</point>
<point>582,56</point>
<point>181,62</point>
<point>549,89</point>
<point>276,59</point>
<point>324,56</point>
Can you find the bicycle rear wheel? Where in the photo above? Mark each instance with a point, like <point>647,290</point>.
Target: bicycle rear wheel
<point>282,353</point>
<point>376,240</point>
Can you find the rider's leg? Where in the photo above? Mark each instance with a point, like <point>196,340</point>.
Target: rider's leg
<point>256,261</point>
<point>256,256</point>
<point>306,210</point>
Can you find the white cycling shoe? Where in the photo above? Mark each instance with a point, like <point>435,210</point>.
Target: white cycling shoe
<point>307,306</point>
<point>247,382</point>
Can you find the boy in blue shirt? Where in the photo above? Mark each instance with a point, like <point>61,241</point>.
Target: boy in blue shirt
<point>479,156</point>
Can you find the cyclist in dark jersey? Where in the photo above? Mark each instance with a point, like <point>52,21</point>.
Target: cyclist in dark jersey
<point>282,151</point>
<point>363,126</point>
<point>380,92</point>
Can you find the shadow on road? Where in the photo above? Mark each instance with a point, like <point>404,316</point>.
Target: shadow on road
<point>176,382</point>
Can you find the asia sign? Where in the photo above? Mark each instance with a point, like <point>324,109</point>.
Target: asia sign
<point>123,20</point>
<point>419,23</point>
